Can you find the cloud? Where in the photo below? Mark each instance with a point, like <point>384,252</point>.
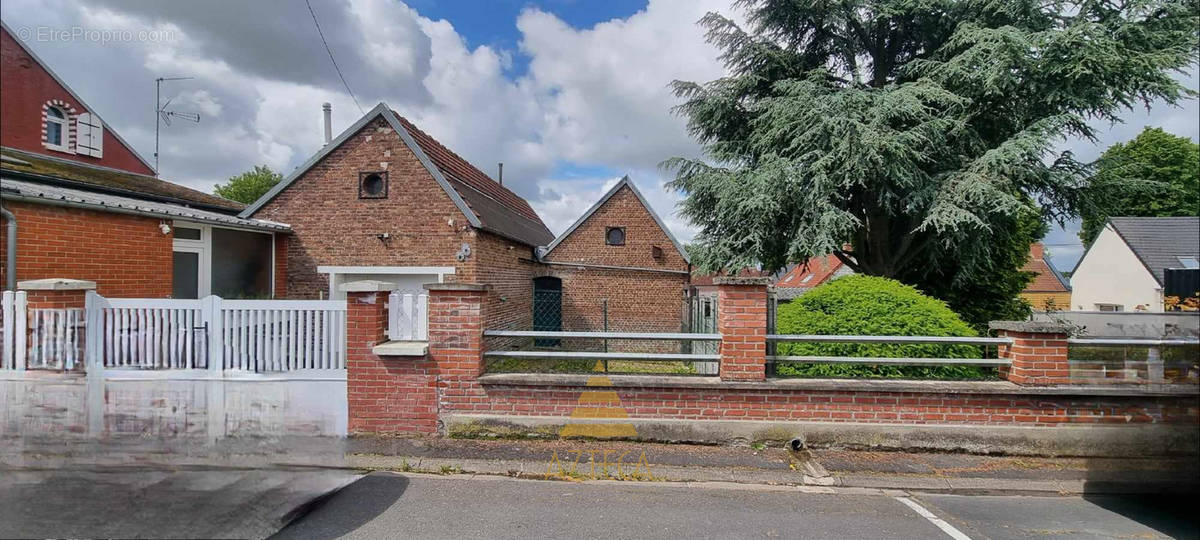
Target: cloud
<point>595,99</point>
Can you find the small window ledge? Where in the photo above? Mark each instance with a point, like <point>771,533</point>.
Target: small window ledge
<point>401,348</point>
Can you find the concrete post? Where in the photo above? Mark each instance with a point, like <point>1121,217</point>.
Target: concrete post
<point>1038,352</point>
<point>742,323</point>
<point>56,293</point>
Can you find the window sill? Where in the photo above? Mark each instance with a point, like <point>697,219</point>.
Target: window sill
<point>401,348</point>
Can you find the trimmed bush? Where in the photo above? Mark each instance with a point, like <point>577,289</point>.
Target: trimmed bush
<point>868,305</point>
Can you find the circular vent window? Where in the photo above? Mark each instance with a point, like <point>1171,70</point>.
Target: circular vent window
<point>372,185</point>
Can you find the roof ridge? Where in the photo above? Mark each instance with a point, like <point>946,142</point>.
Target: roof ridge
<point>523,207</point>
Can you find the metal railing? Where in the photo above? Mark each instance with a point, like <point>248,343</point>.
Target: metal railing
<point>891,340</point>
<point>1111,361</point>
<point>605,356</point>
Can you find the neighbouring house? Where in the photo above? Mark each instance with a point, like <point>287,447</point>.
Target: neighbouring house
<point>1049,290</point>
<point>87,206</point>
<point>1125,268</point>
<point>386,201</point>
<point>803,277</point>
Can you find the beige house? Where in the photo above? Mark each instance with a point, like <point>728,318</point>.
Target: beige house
<point>1124,268</point>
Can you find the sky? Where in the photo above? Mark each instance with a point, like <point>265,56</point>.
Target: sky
<point>569,94</point>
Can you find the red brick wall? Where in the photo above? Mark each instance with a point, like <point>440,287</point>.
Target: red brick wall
<point>509,268</point>
<point>26,88</point>
<point>859,406</point>
<point>127,256</point>
<point>742,323</point>
<point>281,260</point>
<point>332,226</point>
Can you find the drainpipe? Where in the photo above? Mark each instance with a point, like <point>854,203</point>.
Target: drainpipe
<point>11,250</point>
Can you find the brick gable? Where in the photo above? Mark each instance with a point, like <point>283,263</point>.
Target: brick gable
<point>333,226</point>
<point>585,244</point>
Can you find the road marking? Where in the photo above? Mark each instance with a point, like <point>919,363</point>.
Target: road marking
<point>941,524</point>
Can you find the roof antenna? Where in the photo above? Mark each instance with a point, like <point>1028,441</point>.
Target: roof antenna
<point>502,173</point>
<point>162,115</point>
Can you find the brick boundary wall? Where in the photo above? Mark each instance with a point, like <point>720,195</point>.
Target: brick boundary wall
<point>412,395</point>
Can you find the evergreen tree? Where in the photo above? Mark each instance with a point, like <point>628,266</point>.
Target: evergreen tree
<point>916,131</point>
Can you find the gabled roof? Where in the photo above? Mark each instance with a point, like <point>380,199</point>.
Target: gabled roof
<point>1159,241</point>
<point>46,67</point>
<point>625,182</point>
<point>74,174</point>
<point>484,202</point>
<point>813,272</point>
<point>1046,278</point>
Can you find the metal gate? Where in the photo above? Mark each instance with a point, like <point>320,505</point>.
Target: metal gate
<point>547,308</point>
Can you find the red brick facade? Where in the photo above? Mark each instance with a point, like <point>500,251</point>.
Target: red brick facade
<point>127,256</point>
<point>27,87</point>
<point>742,323</point>
<point>1036,358</point>
<point>455,359</point>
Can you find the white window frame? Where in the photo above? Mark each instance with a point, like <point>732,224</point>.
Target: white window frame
<point>1116,308</point>
<point>64,130</point>
<point>203,246</point>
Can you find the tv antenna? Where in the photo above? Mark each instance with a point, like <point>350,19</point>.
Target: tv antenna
<point>162,115</point>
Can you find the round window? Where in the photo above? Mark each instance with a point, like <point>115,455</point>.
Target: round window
<point>615,236</point>
<point>373,185</point>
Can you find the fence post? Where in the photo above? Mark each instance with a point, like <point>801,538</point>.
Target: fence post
<point>93,354</point>
<point>742,323</point>
<point>456,315</point>
<point>213,324</point>
<point>1038,352</point>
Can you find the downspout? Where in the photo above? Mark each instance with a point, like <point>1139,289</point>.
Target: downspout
<point>11,250</point>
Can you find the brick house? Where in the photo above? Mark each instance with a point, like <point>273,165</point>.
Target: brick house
<point>1048,288</point>
<point>386,201</point>
<point>87,206</point>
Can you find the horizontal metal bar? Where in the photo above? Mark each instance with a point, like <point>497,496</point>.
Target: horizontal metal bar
<point>944,340</point>
<point>582,355</point>
<point>1119,342</point>
<point>604,335</point>
<point>995,362</point>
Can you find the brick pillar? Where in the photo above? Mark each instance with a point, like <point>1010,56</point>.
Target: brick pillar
<point>281,264</point>
<point>1038,352</point>
<point>386,392</point>
<point>456,314</point>
<point>742,323</point>
<point>56,293</point>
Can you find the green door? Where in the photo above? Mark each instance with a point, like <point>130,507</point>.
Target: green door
<point>547,308</point>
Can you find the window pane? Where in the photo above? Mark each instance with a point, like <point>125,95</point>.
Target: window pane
<point>54,133</point>
<point>184,233</point>
<point>186,277</point>
<point>241,264</point>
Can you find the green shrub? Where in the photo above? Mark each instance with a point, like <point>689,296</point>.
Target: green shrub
<point>867,305</point>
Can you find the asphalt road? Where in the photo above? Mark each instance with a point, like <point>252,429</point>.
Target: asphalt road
<point>392,505</point>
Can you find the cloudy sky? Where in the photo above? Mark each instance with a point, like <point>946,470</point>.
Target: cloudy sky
<point>569,94</point>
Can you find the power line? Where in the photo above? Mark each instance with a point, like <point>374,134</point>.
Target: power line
<point>335,66</point>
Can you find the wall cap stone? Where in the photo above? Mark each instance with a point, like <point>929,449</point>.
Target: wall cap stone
<point>367,285</point>
<point>56,284</point>
<point>738,280</point>
<point>1032,327</point>
<point>456,287</point>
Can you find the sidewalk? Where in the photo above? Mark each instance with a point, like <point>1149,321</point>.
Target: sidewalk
<point>930,472</point>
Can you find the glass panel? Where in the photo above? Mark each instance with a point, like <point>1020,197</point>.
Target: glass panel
<point>186,277</point>
<point>241,264</point>
<point>185,233</point>
<point>54,133</point>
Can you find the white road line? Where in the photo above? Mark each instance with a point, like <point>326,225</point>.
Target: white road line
<point>941,524</point>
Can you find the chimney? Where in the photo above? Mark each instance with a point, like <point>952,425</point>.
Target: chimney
<point>501,176</point>
<point>327,109</point>
<point>1036,251</point>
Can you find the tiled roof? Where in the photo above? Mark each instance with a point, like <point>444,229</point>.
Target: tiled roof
<point>25,190</point>
<point>1160,241</point>
<point>815,271</point>
<point>1046,278</point>
<point>500,210</point>
<point>39,168</point>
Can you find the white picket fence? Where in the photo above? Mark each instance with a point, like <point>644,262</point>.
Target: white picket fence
<point>13,330</point>
<point>408,316</point>
<point>258,336</point>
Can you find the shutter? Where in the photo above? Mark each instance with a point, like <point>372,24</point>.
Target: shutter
<point>89,135</point>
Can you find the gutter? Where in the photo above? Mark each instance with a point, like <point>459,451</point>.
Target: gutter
<point>11,251</point>
<point>138,212</point>
<point>61,182</point>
